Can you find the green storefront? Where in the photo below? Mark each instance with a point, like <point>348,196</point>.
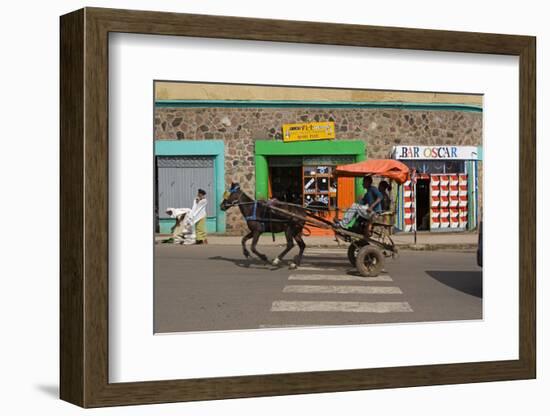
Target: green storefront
<point>302,172</point>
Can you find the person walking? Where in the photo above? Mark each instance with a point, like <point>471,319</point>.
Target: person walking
<point>198,216</point>
<point>182,231</point>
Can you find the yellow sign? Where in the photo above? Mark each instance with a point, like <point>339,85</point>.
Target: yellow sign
<point>309,131</point>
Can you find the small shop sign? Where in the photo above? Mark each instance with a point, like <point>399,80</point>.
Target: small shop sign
<point>322,130</point>
<point>437,152</point>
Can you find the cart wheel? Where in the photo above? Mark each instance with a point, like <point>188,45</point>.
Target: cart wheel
<point>353,249</point>
<point>369,261</point>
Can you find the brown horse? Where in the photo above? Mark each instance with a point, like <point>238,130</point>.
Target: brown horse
<point>261,219</point>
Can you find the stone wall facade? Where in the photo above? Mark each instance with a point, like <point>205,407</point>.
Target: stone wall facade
<point>379,128</point>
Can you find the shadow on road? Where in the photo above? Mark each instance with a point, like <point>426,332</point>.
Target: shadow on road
<point>256,263</point>
<point>469,282</point>
<point>250,263</point>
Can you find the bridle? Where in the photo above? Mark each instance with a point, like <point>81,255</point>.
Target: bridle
<point>236,201</point>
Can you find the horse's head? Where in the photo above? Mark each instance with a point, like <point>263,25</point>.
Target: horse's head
<point>231,197</point>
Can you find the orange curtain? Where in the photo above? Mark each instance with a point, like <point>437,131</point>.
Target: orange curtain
<point>346,197</point>
<point>346,194</point>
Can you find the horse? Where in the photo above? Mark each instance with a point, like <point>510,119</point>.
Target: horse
<point>261,219</point>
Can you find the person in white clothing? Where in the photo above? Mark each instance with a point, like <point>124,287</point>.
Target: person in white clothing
<point>183,231</point>
<point>198,216</point>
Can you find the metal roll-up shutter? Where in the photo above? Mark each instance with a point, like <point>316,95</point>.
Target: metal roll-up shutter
<point>179,178</point>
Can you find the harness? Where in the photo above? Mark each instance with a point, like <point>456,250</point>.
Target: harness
<point>254,217</point>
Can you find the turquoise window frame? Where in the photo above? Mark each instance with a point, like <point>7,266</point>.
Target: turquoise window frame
<point>215,148</point>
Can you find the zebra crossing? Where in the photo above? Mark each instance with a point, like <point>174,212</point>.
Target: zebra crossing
<point>340,277</point>
<point>328,290</point>
<point>327,306</point>
<point>367,290</point>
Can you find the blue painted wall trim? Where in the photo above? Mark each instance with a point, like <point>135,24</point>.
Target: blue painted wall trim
<point>166,224</point>
<point>214,148</point>
<point>480,153</point>
<point>316,104</point>
<point>471,170</point>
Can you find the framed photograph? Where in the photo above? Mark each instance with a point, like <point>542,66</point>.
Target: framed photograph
<point>255,207</point>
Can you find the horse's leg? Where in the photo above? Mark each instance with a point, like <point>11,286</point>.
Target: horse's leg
<point>243,243</point>
<point>255,239</point>
<point>289,244</point>
<point>302,245</point>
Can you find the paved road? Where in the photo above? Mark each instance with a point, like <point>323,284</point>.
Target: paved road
<point>205,288</point>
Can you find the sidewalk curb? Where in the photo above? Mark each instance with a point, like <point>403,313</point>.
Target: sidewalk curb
<point>400,246</point>
<point>436,247</point>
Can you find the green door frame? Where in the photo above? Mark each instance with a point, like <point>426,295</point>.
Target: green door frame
<point>265,148</point>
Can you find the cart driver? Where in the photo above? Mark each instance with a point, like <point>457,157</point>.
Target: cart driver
<point>367,207</point>
<point>373,197</point>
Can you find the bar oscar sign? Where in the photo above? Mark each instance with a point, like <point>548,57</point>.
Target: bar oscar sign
<point>322,130</point>
<point>437,152</point>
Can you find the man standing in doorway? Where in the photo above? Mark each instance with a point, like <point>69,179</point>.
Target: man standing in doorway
<point>198,216</point>
<point>372,199</point>
<point>385,189</point>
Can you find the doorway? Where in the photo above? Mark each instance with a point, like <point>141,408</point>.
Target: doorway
<point>286,183</point>
<point>423,204</point>
<point>177,180</point>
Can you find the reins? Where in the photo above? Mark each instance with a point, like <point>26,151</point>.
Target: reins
<point>291,217</point>
<point>237,203</point>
